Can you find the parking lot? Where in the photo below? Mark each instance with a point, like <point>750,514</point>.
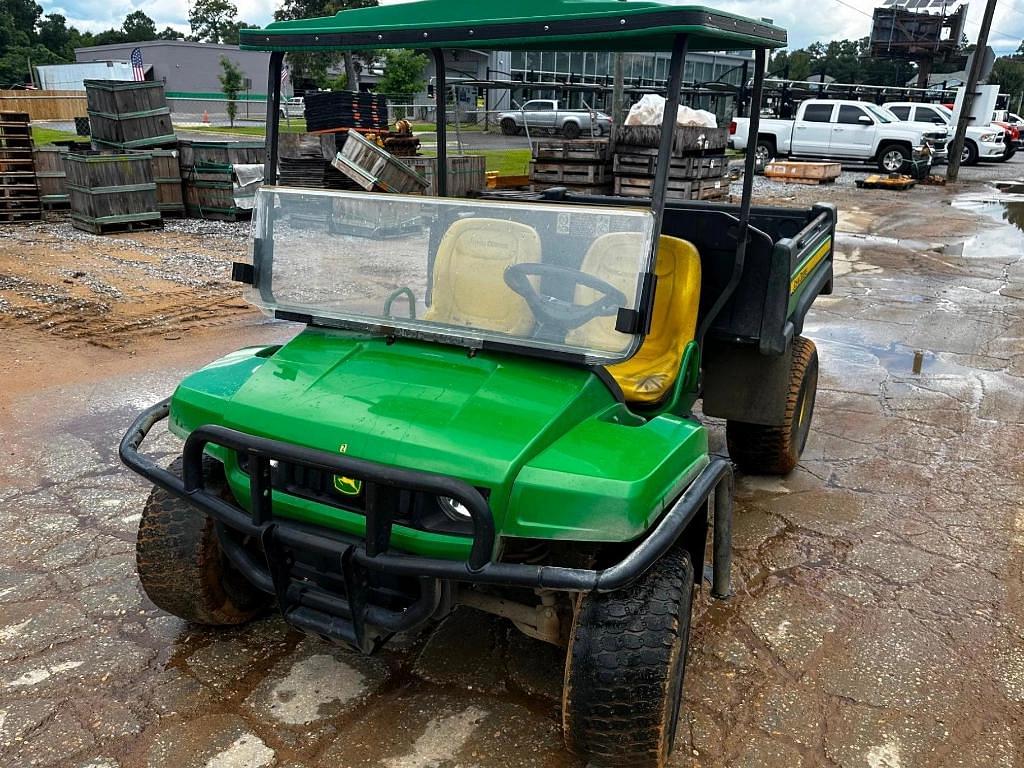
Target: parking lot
<point>878,615</point>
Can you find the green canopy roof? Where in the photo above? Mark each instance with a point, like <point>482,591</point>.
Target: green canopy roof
<point>564,25</point>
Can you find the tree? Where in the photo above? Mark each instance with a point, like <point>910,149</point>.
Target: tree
<point>212,20</point>
<point>1008,74</point>
<point>231,84</point>
<point>170,33</point>
<point>313,66</point>
<point>403,74</point>
<point>138,27</point>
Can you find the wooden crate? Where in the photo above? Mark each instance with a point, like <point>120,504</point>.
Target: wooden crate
<point>686,138</point>
<point>593,150</point>
<point>220,153</point>
<point>111,193</point>
<point>51,176</point>
<point>19,191</point>
<point>803,172</point>
<point>128,115</point>
<point>467,174</point>
<point>373,167</point>
<point>170,198</point>
<point>677,189</point>
<point>210,193</point>
<point>570,173</point>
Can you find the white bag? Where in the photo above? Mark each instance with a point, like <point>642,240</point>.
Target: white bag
<point>650,110</point>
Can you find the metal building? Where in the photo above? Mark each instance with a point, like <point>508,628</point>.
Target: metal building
<point>189,73</point>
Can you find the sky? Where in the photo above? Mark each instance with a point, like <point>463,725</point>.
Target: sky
<point>829,19</point>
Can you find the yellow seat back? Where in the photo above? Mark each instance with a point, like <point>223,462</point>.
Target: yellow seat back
<point>649,375</point>
<point>468,286</point>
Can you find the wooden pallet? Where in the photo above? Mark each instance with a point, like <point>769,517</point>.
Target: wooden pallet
<point>114,227</point>
<point>693,189</point>
<point>592,150</point>
<point>696,167</point>
<point>569,173</point>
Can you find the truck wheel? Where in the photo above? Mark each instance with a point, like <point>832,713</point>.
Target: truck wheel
<point>625,666</point>
<point>892,158</point>
<point>758,449</point>
<point>571,130</point>
<point>970,154</point>
<point>1008,154</point>
<point>764,151</point>
<point>508,127</point>
<point>180,562</point>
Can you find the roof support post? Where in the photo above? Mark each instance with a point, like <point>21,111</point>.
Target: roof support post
<point>668,129</point>
<point>748,190</point>
<point>441,105</point>
<point>273,117</point>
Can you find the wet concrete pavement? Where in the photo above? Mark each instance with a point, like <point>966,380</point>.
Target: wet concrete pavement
<point>879,610</point>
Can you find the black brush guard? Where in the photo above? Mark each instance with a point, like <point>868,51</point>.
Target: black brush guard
<point>353,609</point>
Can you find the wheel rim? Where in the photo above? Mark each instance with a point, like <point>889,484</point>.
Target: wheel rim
<point>965,156</point>
<point>762,154</point>
<point>893,160</point>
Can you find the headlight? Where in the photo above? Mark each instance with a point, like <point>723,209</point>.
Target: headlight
<point>991,137</point>
<point>453,509</point>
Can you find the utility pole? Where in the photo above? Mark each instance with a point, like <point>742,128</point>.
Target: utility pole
<point>977,61</point>
<point>617,88</point>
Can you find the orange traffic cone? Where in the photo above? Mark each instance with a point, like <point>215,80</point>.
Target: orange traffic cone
<point>206,116</point>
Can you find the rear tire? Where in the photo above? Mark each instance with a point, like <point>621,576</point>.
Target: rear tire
<point>758,449</point>
<point>509,127</point>
<point>625,667</point>
<point>764,151</point>
<point>571,131</point>
<point>181,564</point>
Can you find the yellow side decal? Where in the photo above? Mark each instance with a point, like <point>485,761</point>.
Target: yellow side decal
<point>809,264</point>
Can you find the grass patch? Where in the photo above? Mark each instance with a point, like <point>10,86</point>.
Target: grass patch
<point>419,127</point>
<point>42,136</point>
<point>507,162</point>
<point>297,126</point>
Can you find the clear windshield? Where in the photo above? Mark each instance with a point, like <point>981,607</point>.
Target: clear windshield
<point>537,275</point>
<point>882,114</point>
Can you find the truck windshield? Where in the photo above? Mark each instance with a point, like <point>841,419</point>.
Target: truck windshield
<point>535,276</point>
<point>883,115</point>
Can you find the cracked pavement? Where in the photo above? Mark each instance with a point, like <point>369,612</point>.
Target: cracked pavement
<point>878,618</point>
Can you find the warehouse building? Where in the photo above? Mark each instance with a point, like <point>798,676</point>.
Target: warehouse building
<point>189,73</point>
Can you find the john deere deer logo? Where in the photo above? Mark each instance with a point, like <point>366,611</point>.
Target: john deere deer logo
<point>349,486</point>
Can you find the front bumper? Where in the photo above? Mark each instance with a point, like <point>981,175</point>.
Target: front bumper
<point>350,612</point>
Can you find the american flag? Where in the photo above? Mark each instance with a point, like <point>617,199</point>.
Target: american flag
<point>138,70</point>
<point>285,74</point>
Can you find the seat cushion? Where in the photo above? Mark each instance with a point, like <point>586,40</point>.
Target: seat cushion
<point>469,288</point>
<point>649,375</point>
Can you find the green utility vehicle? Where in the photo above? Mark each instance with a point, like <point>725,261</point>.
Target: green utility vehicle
<point>490,402</point>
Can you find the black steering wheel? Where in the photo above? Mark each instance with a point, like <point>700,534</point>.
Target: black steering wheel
<point>550,310</point>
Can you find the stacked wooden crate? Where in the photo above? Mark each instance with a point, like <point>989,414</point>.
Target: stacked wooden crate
<point>19,192</point>
<point>207,171</point>
<point>467,174</point>
<point>51,176</point>
<point>582,166</point>
<point>127,115</point>
<point>170,198</point>
<point>112,193</point>
<point>697,166</point>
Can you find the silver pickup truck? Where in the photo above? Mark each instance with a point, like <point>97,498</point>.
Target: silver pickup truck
<point>548,115</point>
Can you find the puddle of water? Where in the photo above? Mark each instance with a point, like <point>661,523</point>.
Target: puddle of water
<point>1005,207</point>
<point>897,358</point>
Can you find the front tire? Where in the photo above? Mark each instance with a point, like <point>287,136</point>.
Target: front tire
<point>625,667</point>
<point>758,449</point>
<point>509,127</point>
<point>970,154</point>
<point>893,157</point>
<point>181,564</point>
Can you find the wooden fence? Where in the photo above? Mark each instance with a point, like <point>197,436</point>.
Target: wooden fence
<point>45,105</point>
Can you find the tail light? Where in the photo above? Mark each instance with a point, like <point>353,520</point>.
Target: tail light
<point>732,128</point>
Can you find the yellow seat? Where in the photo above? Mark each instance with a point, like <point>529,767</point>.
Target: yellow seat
<point>468,287</point>
<point>648,376</point>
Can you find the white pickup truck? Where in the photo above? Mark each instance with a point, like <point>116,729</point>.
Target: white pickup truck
<point>550,115</point>
<point>841,130</point>
<point>983,142</point>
